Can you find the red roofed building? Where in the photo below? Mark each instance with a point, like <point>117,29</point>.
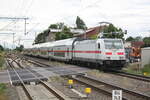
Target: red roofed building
<point>137,44</point>
<point>91,32</point>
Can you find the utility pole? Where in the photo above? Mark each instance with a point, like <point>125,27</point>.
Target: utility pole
<point>19,41</point>
<point>17,18</point>
<point>13,38</point>
<point>25,26</point>
<point>35,35</point>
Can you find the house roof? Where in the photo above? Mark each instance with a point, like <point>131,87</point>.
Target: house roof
<point>137,43</point>
<point>78,31</point>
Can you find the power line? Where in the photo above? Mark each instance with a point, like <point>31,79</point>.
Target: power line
<point>14,18</point>
<point>32,28</point>
<point>17,18</point>
<point>6,26</point>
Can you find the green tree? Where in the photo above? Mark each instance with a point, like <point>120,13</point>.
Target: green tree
<point>111,28</point>
<point>20,48</point>
<point>58,36</point>
<point>41,38</point>
<point>130,38</point>
<point>146,41</point>
<point>60,25</point>
<point>80,23</point>
<point>138,38</point>
<point>57,25</point>
<point>64,34</point>
<point>54,26</point>
<point>1,48</point>
<point>113,32</point>
<point>46,32</point>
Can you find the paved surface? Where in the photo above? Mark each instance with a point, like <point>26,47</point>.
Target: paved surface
<point>54,71</point>
<point>24,74</point>
<point>44,72</point>
<point>4,78</point>
<point>9,75</point>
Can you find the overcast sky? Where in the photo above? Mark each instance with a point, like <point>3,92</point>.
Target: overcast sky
<point>131,15</point>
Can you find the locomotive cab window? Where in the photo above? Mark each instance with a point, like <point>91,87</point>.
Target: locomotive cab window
<point>99,46</point>
<point>113,44</point>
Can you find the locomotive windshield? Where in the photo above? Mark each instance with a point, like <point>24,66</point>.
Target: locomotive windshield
<point>113,44</point>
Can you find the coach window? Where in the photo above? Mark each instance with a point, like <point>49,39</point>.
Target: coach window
<point>98,45</point>
<point>52,51</point>
<point>67,51</point>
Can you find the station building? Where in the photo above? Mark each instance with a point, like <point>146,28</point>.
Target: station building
<point>145,56</point>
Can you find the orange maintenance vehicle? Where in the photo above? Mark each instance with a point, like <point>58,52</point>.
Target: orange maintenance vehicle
<point>133,53</point>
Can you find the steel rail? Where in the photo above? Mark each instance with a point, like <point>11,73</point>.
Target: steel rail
<point>134,76</point>
<point>22,83</point>
<point>134,93</point>
<point>97,88</point>
<point>121,73</point>
<point>47,87</point>
<point>126,90</point>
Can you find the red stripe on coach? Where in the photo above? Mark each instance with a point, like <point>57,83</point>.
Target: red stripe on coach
<point>76,51</point>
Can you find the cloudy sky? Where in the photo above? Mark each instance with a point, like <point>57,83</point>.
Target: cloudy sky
<point>131,15</point>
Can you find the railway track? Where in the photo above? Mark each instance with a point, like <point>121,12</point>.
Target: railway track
<point>96,84</point>
<point>107,88</point>
<point>19,80</point>
<point>22,82</point>
<point>116,72</point>
<point>104,94</point>
<point>134,76</point>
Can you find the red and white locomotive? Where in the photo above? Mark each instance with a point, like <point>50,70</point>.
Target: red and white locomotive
<point>103,51</point>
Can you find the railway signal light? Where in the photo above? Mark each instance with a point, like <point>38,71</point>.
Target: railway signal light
<point>70,82</point>
<point>88,91</point>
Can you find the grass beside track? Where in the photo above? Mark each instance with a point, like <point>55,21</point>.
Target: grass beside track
<point>146,69</point>
<point>3,94</point>
<point>2,61</point>
<point>136,69</point>
<point>2,87</point>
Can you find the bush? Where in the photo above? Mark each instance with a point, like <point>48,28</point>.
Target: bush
<point>1,59</point>
<point>146,68</point>
<point>2,87</point>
